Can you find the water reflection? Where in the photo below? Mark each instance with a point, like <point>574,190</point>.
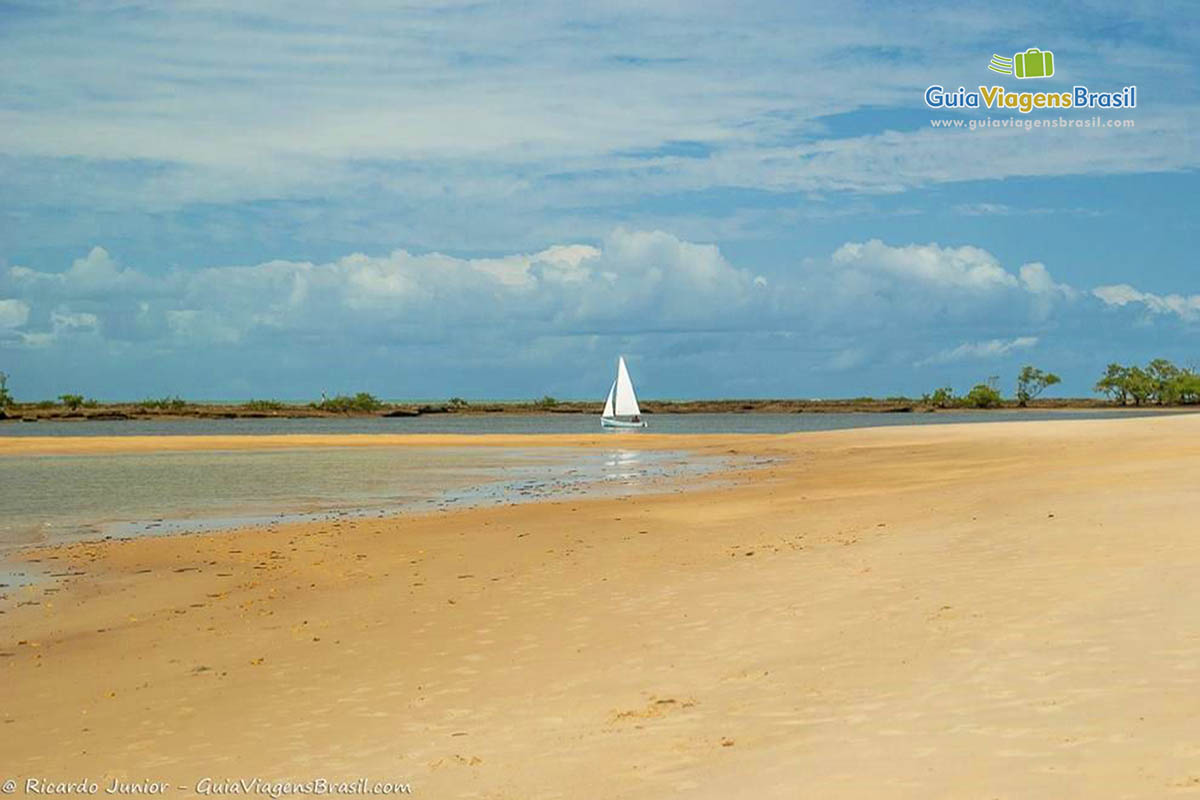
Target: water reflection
<point>622,464</point>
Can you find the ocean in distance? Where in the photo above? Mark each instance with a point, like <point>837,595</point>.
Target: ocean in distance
<point>473,424</point>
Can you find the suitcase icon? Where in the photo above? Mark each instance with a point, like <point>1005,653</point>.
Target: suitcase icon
<point>1033,63</point>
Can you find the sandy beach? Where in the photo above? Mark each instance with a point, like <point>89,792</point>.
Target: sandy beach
<point>1004,610</point>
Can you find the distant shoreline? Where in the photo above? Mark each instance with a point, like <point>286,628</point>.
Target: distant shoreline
<point>29,412</point>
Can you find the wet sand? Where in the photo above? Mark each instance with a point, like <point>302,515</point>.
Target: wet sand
<point>995,610</point>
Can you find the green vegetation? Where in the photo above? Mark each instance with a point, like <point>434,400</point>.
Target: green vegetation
<point>942,397</point>
<point>342,404</point>
<point>1159,382</point>
<point>1186,389</point>
<point>982,396</point>
<point>173,403</point>
<point>1114,383</point>
<point>1031,382</point>
<point>264,405</point>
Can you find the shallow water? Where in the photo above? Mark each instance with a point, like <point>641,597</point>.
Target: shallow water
<point>55,498</point>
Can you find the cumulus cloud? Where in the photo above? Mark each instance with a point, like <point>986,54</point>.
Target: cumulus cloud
<point>637,280</point>
<point>63,319</point>
<point>95,275</point>
<point>1036,279</point>
<point>13,313</point>
<point>877,281</point>
<point>1045,291</point>
<point>650,292</point>
<point>945,267</point>
<point>66,326</point>
<point>992,348</point>
<point>631,282</point>
<point>1186,307</point>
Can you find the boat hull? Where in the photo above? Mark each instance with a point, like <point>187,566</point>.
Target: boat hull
<point>607,422</point>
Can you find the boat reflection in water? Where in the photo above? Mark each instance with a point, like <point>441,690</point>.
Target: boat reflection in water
<point>622,465</point>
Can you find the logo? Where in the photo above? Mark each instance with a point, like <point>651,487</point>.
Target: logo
<point>1033,63</point>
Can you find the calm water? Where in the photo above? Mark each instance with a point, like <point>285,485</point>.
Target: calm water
<point>51,498</point>
<point>533,423</point>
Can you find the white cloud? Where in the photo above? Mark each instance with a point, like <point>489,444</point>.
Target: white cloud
<point>967,267</point>
<point>1186,307</point>
<point>639,292</point>
<point>637,280</point>
<point>63,320</point>
<point>1036,279</point>
<point>97,274</point>
<point>212,106</point>
<point>1003,210</point>
<point>983,209</point>
<point>13,313</point>
<point>632,286</point>
<point>63,323</point>
<point>631,282</point>
<point>992,348</point>
<point>878,282</point>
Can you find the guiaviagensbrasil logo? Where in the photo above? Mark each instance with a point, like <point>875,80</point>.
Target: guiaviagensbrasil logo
<point>1033,63</point>
<point>1030,63</point>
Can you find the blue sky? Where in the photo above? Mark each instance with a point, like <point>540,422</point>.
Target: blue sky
<point>494,200</point>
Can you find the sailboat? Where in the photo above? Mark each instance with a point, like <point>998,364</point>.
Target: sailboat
<point>621,408</point>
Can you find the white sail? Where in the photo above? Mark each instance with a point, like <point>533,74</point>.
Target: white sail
<point>621,406</point>
<point>608,403</point>
<point>625,402</point>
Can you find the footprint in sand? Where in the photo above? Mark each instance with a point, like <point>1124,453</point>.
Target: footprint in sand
<point>656,708</point>
<point>456,761</point>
